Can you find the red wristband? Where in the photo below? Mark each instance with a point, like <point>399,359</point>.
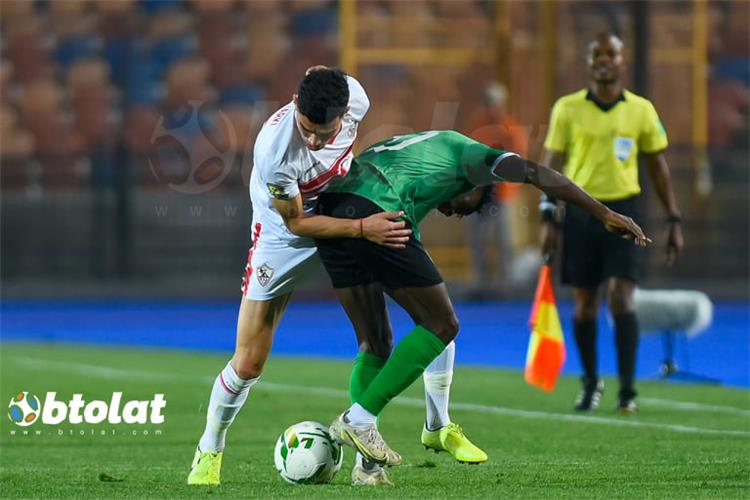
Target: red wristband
<point>361,228</point>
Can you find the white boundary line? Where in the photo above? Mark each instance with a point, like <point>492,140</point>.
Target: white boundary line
<point>125,374</point>
<point>689,406</point>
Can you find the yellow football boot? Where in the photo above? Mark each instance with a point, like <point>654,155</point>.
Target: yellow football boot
<point>451,438</point>
<point>206,468</point>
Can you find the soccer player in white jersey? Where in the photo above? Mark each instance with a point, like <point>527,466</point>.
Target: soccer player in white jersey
<point>299,150</point>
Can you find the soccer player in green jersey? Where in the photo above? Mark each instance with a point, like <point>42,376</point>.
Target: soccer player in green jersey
<point>414,174</point>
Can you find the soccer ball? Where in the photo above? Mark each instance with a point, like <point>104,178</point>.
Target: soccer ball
<point>306,454</point>
<point>24,409</point>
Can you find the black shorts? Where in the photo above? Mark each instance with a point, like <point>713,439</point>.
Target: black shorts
<point>356,261</point>
<point>591,254</point>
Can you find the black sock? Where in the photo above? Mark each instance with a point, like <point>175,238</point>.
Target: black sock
<point>626,340</point>
<point>585,334</point>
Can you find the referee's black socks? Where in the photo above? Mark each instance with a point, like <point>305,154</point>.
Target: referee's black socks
<point>585,334</point>
<point>626,340</point>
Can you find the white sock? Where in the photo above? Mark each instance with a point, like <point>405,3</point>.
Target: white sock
<point>368,466</point>
<point>359,417</point>
<point>227,397</point>
<point>437,387</point>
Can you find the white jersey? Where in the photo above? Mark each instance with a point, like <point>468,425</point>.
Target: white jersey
<point>279,260</point>
<point>284,166</point>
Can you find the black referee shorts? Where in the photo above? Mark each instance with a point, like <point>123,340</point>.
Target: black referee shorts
<point>591,254</point>
<point>357,261</point>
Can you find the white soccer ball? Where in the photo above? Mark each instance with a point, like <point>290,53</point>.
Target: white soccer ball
<point>306,454</point>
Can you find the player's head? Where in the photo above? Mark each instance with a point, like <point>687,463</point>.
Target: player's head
<point>321,102</point>
<point>468,203</point>
<point>605,59</point>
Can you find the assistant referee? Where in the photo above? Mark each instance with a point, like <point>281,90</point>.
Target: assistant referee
<point>595,137</point>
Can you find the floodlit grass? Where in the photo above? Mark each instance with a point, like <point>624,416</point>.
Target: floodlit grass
<point>538,446</point>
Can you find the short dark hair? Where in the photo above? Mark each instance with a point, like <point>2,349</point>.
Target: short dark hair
<point>323,95</point>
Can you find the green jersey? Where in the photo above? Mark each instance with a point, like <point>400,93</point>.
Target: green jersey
<point>418,172</point>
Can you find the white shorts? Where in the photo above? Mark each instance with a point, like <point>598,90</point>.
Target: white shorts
<point>276,266</point>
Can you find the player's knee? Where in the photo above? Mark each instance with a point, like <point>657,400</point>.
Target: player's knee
<point>620,300</point>
<point>247,366</point>
<point>381,349</point>
<point>585,312</point>
<point>586,307</point>
<point>446,328</point>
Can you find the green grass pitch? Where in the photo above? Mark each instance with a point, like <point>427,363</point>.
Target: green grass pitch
<point>686,442</point>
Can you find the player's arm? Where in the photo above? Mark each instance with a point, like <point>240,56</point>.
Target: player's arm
<point>555,145</point>
<point>557,186</point>
<point>378,228</point>
<point>548,206</point>
<point>659,173</point>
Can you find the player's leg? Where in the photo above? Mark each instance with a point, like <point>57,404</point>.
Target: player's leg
<point>584,330</point>
<point>256,323</point>
<point>438,375</point>
<point>432,308</point>
<point>274,269</point>
<point>623,264</point>
<point>582,267</point>
<point>621,293</point>
<point>365,306</point>
<point>366,309</point>
<point>437,385</point>
<point>357,425</point>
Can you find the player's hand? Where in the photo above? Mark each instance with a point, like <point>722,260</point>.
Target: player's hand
<point>380,229</point>
<point>675,242</point>
<point>626,227</point>
<point>549,241</point>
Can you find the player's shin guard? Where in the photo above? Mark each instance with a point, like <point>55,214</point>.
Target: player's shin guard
<point>227,397</point>
<point>626,339</point>
<point>365,368</point>
<point>437,385</point>
<point>407,362</point>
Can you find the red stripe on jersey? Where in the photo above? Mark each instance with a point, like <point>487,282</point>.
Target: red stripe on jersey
<point>326,176</point>
<point>221,377</point>
<point>249,265</point>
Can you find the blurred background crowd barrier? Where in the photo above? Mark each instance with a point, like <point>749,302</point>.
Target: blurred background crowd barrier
<point>128,126</point>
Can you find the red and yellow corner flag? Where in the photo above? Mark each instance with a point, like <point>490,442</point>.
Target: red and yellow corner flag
<point>546,353</point>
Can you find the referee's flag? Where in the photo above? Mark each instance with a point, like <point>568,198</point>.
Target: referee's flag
<point>546,354</point>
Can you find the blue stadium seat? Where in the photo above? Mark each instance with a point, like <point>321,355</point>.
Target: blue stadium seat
<point>314,22</point>
<point>168,51</point>
<point>154,6</point>
<point>70,50</point>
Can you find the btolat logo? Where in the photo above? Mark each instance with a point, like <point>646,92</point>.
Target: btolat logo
<point>24,409</point>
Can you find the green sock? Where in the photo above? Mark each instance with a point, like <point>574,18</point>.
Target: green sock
<point>365,369</point>
<point>407,362</point>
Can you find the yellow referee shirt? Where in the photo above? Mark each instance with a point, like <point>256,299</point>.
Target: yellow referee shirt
<point>601,143</point>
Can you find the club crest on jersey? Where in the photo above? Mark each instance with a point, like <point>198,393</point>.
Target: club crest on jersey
<point>264,274</point>
<point>277,191</point>
<point>352,130</point>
